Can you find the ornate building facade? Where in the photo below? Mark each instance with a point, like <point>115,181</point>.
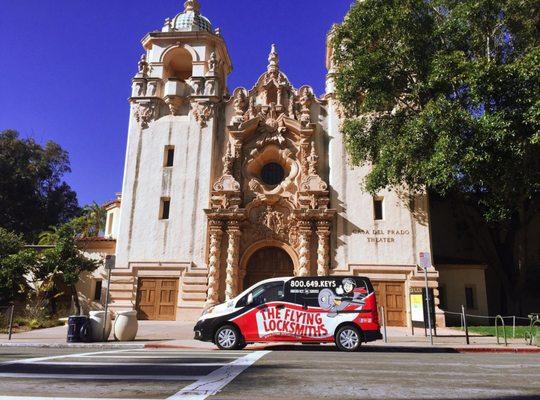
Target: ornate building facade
<point>224,189</point>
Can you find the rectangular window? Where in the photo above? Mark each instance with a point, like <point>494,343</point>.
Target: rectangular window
<point>470,298</point>
<point>378,209</point>
<point>110,224</point>
<point>169,156</point>
<point>97,291</point>
<point>165,208</point>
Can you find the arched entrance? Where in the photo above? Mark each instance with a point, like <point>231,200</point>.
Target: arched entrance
<point>266,263</point>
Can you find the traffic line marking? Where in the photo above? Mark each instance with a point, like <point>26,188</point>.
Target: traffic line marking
<point>104,364</point>
<point>214,382</point>
<point>90,377</point>
<point>39,359</point>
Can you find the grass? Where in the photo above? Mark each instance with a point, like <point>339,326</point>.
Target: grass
<point>490,331</point>
<point>23,324</point>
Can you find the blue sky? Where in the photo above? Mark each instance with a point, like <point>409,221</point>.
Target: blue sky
<point>66,67</point>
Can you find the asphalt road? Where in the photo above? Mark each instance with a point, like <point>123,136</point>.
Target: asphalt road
<point>315,372</point>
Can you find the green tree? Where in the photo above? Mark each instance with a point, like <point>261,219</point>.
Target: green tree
<point>66,262</point>
<point>33,195</point>
<point>15,263</point>
<point>445,95</point>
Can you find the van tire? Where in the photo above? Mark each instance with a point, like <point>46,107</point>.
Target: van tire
<point>228,337</point>
<point>348,338</point>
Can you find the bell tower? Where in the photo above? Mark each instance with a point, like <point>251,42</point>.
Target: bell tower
<point>180,82</point>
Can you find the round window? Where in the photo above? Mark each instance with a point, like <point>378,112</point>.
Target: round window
<point>272,174</point>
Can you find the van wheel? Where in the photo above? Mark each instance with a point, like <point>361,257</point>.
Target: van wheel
<point>228,338</point>
<point>348,338</point>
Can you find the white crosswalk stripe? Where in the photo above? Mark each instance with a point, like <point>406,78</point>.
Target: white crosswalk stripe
<point>208,371</point>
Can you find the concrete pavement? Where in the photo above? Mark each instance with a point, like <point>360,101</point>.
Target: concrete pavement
<point>309,372</point>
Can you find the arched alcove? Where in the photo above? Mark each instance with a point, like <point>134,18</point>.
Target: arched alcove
<point>178,64</point>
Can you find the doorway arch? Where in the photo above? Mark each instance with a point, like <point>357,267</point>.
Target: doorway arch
<point>265,260</point>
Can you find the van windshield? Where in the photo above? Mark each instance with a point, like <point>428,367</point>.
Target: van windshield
<point>272,291</point>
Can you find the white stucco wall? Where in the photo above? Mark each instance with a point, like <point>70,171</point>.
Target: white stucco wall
<point>144,237</point>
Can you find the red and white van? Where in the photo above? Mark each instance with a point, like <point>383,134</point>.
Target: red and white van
<point>306,310</point>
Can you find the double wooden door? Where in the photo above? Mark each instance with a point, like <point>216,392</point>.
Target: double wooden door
<point>157,299</point>
<point>391,295</point>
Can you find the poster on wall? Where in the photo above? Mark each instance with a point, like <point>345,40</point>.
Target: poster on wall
<point>417,308</point>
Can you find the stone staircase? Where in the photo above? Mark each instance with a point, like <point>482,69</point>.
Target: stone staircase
<point>194,288</point>
<point>123,291</point>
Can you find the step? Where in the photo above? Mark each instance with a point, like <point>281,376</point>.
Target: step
<point>194,288</point>
<point>122,286</point>
<point>195,280</point>
<point>194,296</point>
<point>201,272</point>
<point>192,304</point>
<point>121,295</point>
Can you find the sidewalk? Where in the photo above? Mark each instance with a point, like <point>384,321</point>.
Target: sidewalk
<point>164,334</point>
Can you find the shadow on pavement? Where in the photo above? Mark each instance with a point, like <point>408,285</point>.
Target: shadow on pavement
<point>364,349</point>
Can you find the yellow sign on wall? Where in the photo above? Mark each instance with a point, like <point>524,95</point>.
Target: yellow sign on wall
<point>417,308</point>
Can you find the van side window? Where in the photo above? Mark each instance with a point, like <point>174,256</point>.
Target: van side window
<point>272,291</point>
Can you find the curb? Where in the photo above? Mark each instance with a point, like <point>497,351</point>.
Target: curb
<point>503,350</point>
<point>103,346</point>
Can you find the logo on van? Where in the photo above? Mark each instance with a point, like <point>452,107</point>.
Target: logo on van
<point>290,322</point>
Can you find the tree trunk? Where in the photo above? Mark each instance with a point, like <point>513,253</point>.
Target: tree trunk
<point>75,297</point>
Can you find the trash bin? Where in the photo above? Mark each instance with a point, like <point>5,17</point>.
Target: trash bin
<point>78,329</point>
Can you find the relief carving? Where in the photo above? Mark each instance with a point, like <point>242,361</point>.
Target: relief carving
<point>202,112</point>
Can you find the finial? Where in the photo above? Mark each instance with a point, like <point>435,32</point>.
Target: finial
<point>192,5</point>
<point>273,60</point>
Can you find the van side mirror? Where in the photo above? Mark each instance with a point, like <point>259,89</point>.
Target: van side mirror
<point>250,299</point>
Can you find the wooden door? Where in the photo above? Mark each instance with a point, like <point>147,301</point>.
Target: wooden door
<point>391,296</point>
<point>266,263</point>
<point>156,299</point>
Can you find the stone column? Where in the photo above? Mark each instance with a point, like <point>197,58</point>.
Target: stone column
<point>216,234</point>
<point>233,255</point>
<point>323,248</point>
<point>304,248</point>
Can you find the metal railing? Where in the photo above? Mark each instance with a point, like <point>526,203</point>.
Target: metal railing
<point>497,319</point>
<point>465,323</point>
<point>6,319</point>
<point>534,325</point>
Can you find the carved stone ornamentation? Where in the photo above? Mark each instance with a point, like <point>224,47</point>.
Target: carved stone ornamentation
<point>212,64</point>
<point>239,103</point>
<point>304,249</point>
<point>233,255</point>
<point>143,67</point>
<point>175,104</point>
<point>144,113</point>
<point>323,248</point>
<point>202,112</point>
<point>305,100</point>
<point>216,234</point>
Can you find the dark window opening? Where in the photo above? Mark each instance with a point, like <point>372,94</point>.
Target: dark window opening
<point>97,292</point>
<point>169,156</point>
<point>469,298</point>
<point>165,208</point>
<point>442,297</point>
<point>378,209</point>
<point>272,174</point>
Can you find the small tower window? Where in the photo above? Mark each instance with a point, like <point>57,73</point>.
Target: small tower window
<point>169,156</point>
<point>165,208</point>
<point>378,208</point>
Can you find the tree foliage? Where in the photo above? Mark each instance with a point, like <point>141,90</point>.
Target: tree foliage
<point>66,261</point>
<point>16,262</point>
<point>445,95</point>
<point>33,195</point>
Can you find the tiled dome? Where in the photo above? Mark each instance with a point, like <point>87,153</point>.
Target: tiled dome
<point>191,19</point>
